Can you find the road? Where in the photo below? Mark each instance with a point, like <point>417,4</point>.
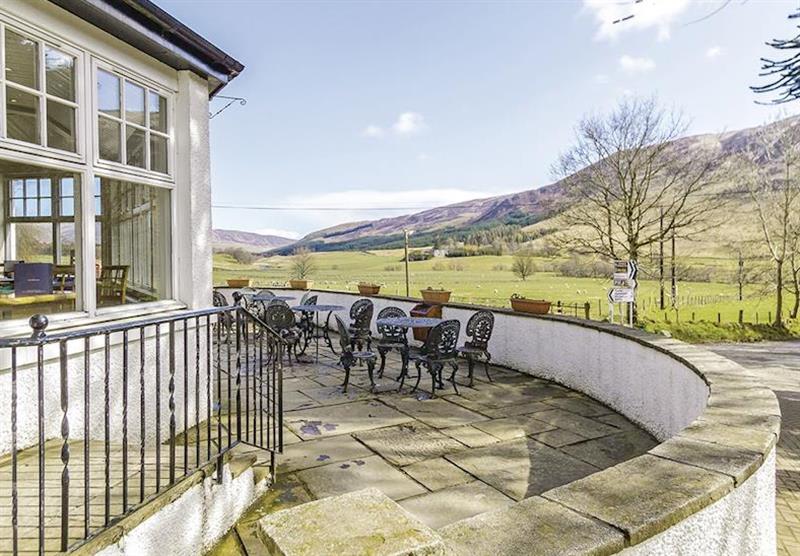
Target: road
<point>777,364</point>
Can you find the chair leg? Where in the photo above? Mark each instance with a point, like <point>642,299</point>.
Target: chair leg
<point>433,370</point>
<point>453,376</point>
<point>371,372</point>
<point>346,366</point>
<point>404,359</point>
<point>488,358</point>
<point>382,353</point>
<point>419,376</point>
<point>471,367</point>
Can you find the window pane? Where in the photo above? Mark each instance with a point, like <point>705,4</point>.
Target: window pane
<point>133,243</point>
<point>44,187</point>
<point>158,112</point>
<point>31,187</point>
<point>67,206</point>
<point>45,207</point>
<point>158,153</point>
<point>60,126</point>
<point>134,145</point>
<point>18,207</point>
<point>22,116</point>
<point>17,188</point>
<point>109,131</point>
<point>134,103</point>
<point>108,93</point>
<point>22,60</point>
<point>59,74</point>
<point>31,208</point>
<point>67,187</point>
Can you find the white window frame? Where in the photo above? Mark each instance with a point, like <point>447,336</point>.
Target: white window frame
<point>43,40</point>
<point>134,173</point>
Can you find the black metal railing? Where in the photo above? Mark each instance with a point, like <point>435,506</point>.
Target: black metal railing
<point>155,400</point>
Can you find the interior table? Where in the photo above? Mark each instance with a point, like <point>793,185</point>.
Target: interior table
<point>60,301</point>
<point>320,332</point>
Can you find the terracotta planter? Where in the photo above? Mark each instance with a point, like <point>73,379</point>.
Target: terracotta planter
<point>239,282</point>
<point>437,297</point>
<point>533,306</point>
<point>300,284</point>
<point>368,289</point>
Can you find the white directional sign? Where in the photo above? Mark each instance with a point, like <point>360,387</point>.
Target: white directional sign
<point>621,295</point>
<point>624,286</point>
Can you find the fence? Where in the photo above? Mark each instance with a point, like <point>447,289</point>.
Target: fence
<point>105,418</point>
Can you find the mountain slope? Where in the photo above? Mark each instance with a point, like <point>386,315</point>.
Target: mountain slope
<point>226,239</point>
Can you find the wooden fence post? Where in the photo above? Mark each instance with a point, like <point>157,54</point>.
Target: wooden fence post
<point>586,308</point>
<point>741,316</point>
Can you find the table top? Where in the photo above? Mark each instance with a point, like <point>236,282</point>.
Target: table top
<point>11,299</point>
<point>317,308</point>
<point>409,322</point>
<point>271,297</point>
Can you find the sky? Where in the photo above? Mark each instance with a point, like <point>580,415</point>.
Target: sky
<point>359,107</point>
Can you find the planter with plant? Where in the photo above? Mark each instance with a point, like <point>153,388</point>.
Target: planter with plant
<point>239,282</point>
<point>368,288</point>
<point>302,268</point>
<point>533,306</point>
<point>436,296</point>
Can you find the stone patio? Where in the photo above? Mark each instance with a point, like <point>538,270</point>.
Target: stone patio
<point>443,459</point>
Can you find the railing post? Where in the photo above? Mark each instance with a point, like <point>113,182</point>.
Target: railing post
<point>171,402</point>
<point>64,446</point>
<point>238,375</point>
<point>38,323</point>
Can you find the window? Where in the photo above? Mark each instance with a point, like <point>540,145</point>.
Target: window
<point>39,82</point>
<point>132,125</point>
<point>39,227</point>
<point>133,242</point>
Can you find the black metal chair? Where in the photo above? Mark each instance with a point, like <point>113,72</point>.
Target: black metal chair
<point>281,319</point>
<point>244,297</point>
<point>265,293</point>
<point>225,320</point>
<point>479,331</point>
<point>361,319</point>
<point>306,320</point>
<point>392,337</point>
<point>439,349</point>
<point>349,356</point>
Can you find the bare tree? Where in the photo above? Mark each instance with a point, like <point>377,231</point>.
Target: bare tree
<point>522,266</point>
<point>783,72</point>
<point>769,175</point>
<point>302,266</point>
<point>630,185</point>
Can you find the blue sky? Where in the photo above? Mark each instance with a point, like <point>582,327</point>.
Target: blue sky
<point>416,104</point>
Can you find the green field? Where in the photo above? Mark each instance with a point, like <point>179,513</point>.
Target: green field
<point>488,280</point>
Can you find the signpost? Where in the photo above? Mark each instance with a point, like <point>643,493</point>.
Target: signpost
<point>624,287</point>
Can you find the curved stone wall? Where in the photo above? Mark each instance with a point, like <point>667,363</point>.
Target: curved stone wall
<point>708,488</point>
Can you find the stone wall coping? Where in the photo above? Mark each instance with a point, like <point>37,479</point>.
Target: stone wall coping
<point>639,498</point>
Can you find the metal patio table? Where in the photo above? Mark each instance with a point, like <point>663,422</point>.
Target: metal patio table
<point>271,297</point>
<point>320,332</point>
<point>408,322</point>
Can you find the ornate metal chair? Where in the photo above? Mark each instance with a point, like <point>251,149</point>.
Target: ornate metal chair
<point>479,330</point>
<point>281,319</point>
<point>349,356</point>
<point>439,349</point>
<point>265,293</point>
<point>225,320</point>
<point>306,320</point>
<point>361,318</point>
<point>392,337</point>
<point>244,297</point>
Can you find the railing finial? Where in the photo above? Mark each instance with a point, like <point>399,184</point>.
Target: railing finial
<point>38,323</point>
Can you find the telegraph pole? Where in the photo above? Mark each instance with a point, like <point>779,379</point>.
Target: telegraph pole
<point>661,260</point>
<point>741,274</point>
<point>405,247</point>
<point>672,274</point>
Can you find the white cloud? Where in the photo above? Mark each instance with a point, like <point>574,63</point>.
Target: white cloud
<point>713,52</point>
<point>278,232</point>
<point>633,64</point>
<point>372,131</point>
<point>409,123</point>
<point>614,18</point>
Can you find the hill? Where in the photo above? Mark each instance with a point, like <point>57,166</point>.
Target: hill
<point>226,239</point>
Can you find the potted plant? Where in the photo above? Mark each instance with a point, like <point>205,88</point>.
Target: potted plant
<point>368,288</point>
<point>525,305</point>
<point>302,268</point>
<point>436,296</point>
<point>239,282</point>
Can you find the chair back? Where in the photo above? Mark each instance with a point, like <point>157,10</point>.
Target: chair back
<point>265,293</point>
<point>344,335</point>
<point>392,333</point>
<point>442,340</point>
<point>279,317</point>
<point>310,299</point>
<point>113,283</point>
<point>219,299</point>
<point>272,302</point>
<point>361,314</point>
<point>479,329</point>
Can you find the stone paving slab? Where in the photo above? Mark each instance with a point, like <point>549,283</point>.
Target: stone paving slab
<point>737,463</point>
<point>585,407</point>
<point>532,527</point>
<point>438,412</point>
<point>327,395</point>
<point>315,453</point>
<point>352,475</point>
<point>583,426</point>
<point>440,508</point>
<point>513,427</point>
<point>494,396</point>
<point>470,436</point>
<point>408,443</point>
<point>518,409</point>
<point>355,524</point>
<point>611,450</point>
<point>342,419</point>
<point>521,468</point>
<point>437,473</point>
<point>557,438</point>
<point>618,421</point>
